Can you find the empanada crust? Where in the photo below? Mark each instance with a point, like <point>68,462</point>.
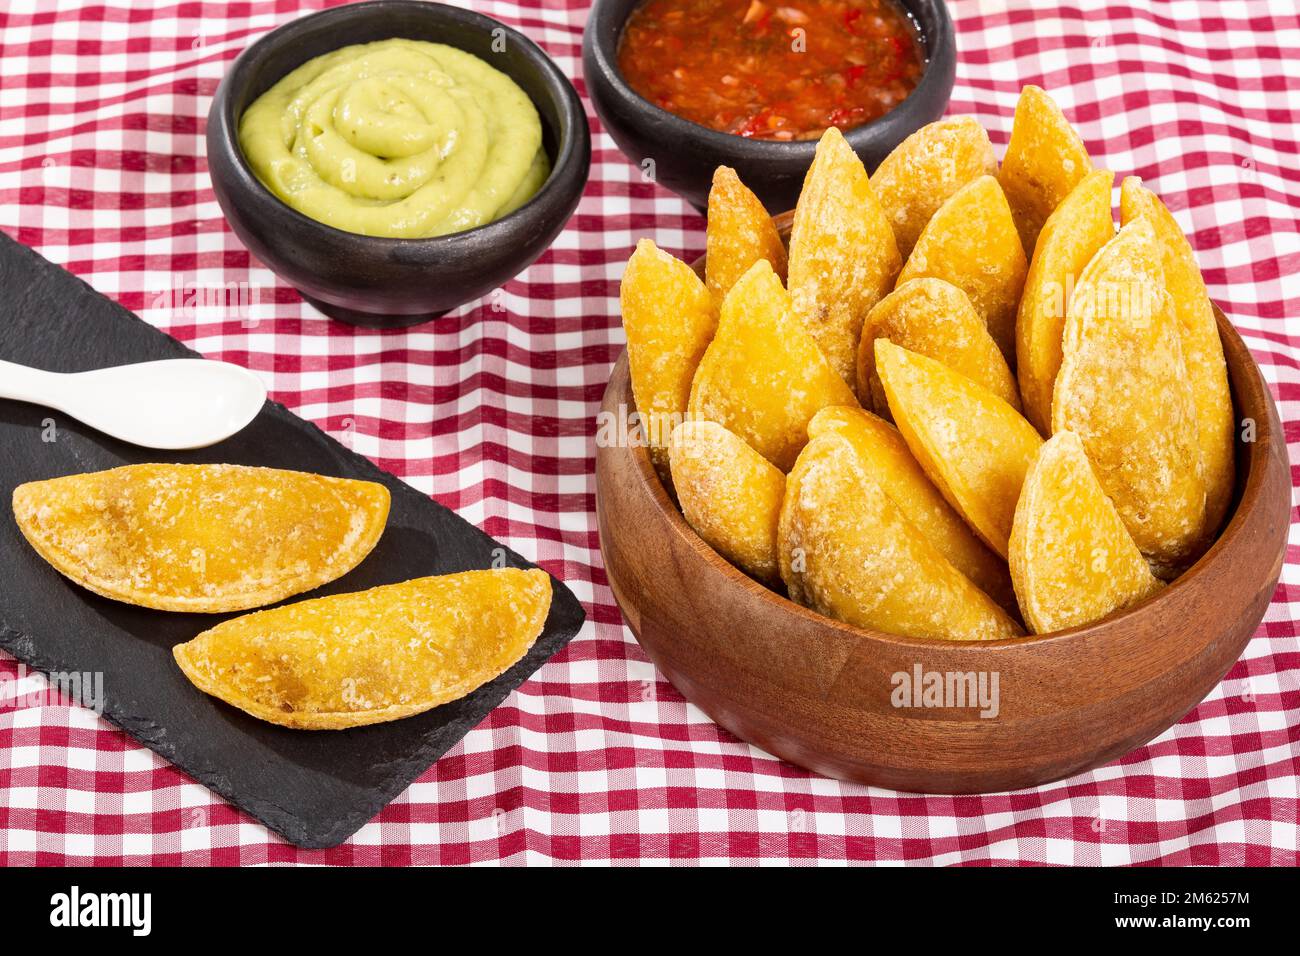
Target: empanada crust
<point>390,652</point>
<point>201,538</point>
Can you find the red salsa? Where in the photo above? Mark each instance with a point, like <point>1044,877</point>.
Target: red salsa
<point>772,69</point>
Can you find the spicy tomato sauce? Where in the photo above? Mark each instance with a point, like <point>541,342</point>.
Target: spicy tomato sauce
<point>772,69</point>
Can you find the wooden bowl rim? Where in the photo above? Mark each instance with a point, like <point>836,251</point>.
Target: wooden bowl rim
<point>1249,498</point>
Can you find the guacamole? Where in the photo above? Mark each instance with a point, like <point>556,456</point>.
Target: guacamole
<point>398,138</point>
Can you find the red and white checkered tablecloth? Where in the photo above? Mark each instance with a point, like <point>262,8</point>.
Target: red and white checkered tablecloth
<point>598,758</point>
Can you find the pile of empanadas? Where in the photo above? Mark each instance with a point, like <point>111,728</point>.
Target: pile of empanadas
<point>219,538</point>
<point>960,403</point>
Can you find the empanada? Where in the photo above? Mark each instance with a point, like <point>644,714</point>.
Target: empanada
<point>848,552</point>
<point>763,377</point>
<point>974,447</point>
<point>886,459</point>
<point>201,538</point>
<point>843,255</point>
<point>739,233</point>
<point>383,654</point>
<point>669,317</point>
<point>1072,560</point>
<point>1074,233</point>
<point>933,318</point>
<point>1124,390</point>
<point>730,494</point>
<point>1045,160</point>
<point>1202,349</point>
<point>925,169</point>
<point>972,242</point>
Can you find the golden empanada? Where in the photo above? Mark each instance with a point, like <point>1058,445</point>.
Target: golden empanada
<point>730,494</point>
<point>763,376</point>
<point>1202,348</point>
<point>201,538</point>
<point>885,457</point>
<point>843,255</point>
<point>739,233</point>
<point>669,317</point>
<point>926,168</point>
<point>933,318</point>
<point>972,242</point>
<point>847,551</point>
<point>975,447</point>
<point>1124,390</point>
<point>1072,560</point>
<point>1074,233</point>
<point>383,654</point>
<point>1045,160</point>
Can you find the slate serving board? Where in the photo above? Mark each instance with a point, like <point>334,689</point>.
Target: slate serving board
<point>315,788</point>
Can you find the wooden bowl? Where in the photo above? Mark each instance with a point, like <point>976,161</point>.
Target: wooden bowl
<point>819,693</point>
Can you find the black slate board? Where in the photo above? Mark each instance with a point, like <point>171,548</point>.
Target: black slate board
<point>315,788</point>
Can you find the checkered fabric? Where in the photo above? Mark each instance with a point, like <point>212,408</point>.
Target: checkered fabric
<point>597,758</point>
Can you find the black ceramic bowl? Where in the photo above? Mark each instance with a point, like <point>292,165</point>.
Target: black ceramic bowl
<point>685,154</point>
<point>393,282</point>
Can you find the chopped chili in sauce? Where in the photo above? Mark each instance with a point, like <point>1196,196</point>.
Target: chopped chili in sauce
<point>772,69</point>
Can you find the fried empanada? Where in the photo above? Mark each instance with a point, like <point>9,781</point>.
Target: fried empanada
<point>1045,160</point>
<point>763,376</point>
<point>1123,389</point>
<point>1202,348</point>
<point>730,494</point>
<point>1079,227</point>
<point>739,232</point>
<point>201,538</point>
<point>933,318</point>
<point>1072,560</point>
<point>847,551</point>
<point>843,256</point>
<point>972,242</point>
<point>383,654</point>
<point>885,457</point>
<point>975,447</point>
<point>669,318</point>
<point>925,169</point>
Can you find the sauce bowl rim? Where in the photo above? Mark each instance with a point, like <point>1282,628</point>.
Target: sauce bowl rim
<point>938,43</point>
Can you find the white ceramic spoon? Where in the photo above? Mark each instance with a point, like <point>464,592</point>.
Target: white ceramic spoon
<point>172,404</point>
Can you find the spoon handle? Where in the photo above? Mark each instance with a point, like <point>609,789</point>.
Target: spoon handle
<point>26,384</point>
